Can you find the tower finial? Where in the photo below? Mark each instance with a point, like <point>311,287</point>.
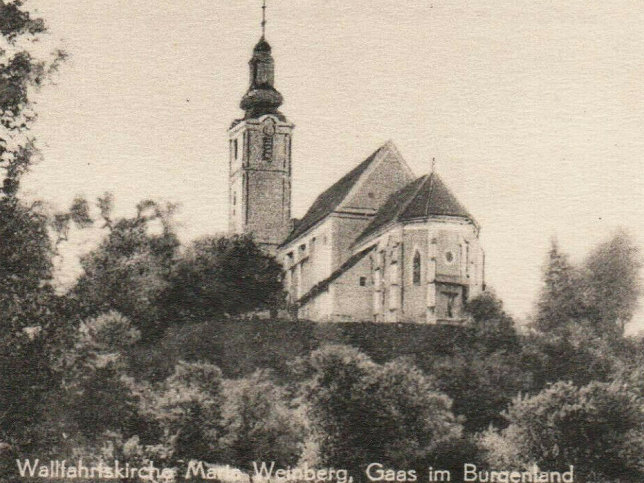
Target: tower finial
<point>433,165</point>
<point>263,18</point>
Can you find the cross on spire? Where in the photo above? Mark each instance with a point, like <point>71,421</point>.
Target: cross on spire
<point>263,18</point>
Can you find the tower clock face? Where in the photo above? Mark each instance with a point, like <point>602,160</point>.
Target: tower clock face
<point>269,129</point>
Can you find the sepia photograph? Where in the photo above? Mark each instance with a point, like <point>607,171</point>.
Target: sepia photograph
<point>288,241</point>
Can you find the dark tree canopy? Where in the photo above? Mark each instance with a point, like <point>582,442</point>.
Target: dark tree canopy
<point>29,316</point>
<point>361,411</point>
<point>15,21</point>
<point>494,328</point>
<point>130,269</point>
<point>225,276</point>
<point>20,71</point>
<point>601,293</point>
<point>559,300</point>
<point>260,423</point>
<point>188,408</point>
<point>25,250</point>
<point>29,309</point>
<point>612,283</point>
<point>598,428</point>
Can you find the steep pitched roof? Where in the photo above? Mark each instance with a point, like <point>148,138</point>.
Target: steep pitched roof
<point>321,286</point>
<point>331,198</point>
<point>423,197</point>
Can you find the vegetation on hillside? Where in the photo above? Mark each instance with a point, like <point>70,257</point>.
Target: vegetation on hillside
<point>154,353</point>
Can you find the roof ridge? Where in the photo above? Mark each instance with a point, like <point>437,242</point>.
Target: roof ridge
<point>412,198</point>
<point>397,210</point>
<point>328,200</point>
<point>429,194</point>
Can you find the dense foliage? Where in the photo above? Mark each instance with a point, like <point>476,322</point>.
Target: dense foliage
<point>224,276</point>
<point>167,353</point>
<point>130,269</point>
<point>601,293</point>
<point>361,412</point>
<point>598,428</point>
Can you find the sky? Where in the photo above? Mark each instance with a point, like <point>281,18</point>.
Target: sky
<point>534,110</point>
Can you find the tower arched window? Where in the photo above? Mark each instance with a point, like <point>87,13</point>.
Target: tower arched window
<point>416,268</point>
<point>267,148</point>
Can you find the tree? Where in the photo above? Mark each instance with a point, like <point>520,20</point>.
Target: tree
<point>21,70</point>
<point>187,406</point>
<point>602,293</point>
<point>598,428</point>
<point>25,263</point>
<point>259,423</point>
<point>129,271</point>
<point>361,412</point>
<point>95,395</point>
<point>35,322</point>
<point>581,315</point>
<point>612,283</point>
<point>225,276</point>
<point>29,309</point>
<point>574,353</point>
<point>481,385</point>
<point>561,295</point>
<point>480,372</point>
<point>25,378</point>
<point>494,328</point>
<point>90,401</point>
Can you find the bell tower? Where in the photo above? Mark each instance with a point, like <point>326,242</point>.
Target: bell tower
<point>260,156</point>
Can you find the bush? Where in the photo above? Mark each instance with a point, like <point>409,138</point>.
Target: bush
<point>598,428</point>
<point>361,412</point>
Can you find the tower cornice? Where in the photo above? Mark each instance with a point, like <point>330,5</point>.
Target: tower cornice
<point>239,124</point>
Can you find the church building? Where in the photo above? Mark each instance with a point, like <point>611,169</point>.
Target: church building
<point>380,244</point>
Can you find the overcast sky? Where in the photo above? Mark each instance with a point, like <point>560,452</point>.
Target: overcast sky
<point>534,110</point>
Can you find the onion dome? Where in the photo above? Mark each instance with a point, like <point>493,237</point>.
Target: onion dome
<point>262,46</point>
<point>261,97</point>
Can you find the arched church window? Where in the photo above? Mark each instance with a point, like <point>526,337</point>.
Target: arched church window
<point>416,269</point>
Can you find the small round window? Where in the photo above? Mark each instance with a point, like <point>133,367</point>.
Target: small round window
<point>449,257</point>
